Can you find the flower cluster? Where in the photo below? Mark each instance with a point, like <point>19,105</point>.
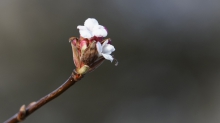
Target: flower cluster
<point>91,49</point>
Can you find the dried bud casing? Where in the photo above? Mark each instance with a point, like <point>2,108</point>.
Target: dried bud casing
<point>75,47</point>
<point>90,54</point>
<point>84,56</point>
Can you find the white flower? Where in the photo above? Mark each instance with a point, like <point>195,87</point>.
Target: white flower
<point>105,50</point>
<point>92,28</point>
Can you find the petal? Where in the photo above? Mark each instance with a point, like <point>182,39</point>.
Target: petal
<point>104,33</point>
<point>83,45</point>
<point>99,31</point>
<point>108,57</point>
<point>99,48</point>
<point>84,32</point>
<point>108,49</point>
<point>81,27</point>
<point>90,23</point>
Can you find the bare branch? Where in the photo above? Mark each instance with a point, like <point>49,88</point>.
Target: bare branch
<point>26,111</point>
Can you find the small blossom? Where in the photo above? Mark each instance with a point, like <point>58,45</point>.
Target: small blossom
<point>90,50</point>
<point>92,28</point>
<point>105,50</point>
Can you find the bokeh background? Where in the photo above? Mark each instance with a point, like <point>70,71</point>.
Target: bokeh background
<point>168,52</point>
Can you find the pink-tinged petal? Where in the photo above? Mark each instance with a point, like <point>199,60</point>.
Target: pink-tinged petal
<point>90,23</point>
<point>99,39</point>
<point>99,48</point>
<point>83,44</point>
<point>108,49</point>
<point>108,57</point>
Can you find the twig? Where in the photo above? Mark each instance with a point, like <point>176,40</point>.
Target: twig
<point>26,111</point>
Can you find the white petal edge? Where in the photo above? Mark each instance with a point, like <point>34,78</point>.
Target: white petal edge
<point>99,48</point>
<point>108,57</point>
<point>108,49</point>
<point>81,27</point>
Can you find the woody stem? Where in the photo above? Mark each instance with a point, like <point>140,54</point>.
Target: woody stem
<point>26,111</point>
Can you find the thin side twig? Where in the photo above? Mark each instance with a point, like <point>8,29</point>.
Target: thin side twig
<point>26,111</point>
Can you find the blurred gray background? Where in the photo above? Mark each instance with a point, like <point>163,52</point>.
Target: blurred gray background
<point>168,54</point>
